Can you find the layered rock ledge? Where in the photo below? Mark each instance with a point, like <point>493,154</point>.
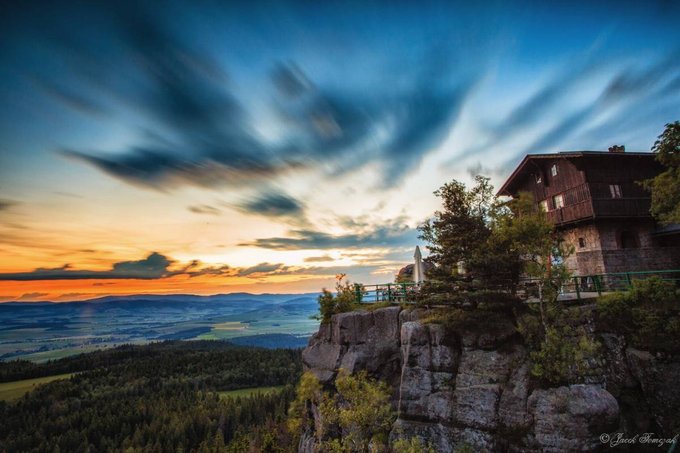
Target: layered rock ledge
<point>472,386</point>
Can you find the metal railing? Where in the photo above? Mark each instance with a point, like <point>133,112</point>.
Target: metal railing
<point>576,288</point>
<point>387,292</point>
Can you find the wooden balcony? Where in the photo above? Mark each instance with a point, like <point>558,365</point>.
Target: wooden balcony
<point>583,202</point>
<point>571,213</point>
<point>621,207</point>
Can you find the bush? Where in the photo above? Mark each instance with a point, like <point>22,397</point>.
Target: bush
<point>360,409</point>
<point>564,359</point>
<point>648,315</point>
<point>653,291</point>
<point>344,300</point>
<point>412,445</point>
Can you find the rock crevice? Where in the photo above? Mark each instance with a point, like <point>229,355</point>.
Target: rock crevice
<point>472,385</point>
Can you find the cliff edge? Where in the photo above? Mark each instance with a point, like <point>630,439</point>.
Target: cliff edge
<point>471,385</point>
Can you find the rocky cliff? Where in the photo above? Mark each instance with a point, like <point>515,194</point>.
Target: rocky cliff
<point>471,385</point>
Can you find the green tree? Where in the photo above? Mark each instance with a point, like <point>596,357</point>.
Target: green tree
<point>344,299</point>
<point>360,410</point>
<point>665,187</point>
<point>366,415</point>
<point>498,241</point>
<point>457,231</point>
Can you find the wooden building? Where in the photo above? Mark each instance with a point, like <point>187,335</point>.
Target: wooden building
<point>595,201</point>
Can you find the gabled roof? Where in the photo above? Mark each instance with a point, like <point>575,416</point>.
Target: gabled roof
<point>530,158</point>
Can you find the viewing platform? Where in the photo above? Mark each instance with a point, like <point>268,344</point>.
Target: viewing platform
<point>578,288</point>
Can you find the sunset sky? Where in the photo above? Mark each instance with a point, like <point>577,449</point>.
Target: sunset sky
<point>210,147</point>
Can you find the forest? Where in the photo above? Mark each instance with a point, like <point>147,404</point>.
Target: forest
<point>162,397</point>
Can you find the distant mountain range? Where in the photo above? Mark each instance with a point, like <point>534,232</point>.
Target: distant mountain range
<point>176,297</point>
<point>46,330</point>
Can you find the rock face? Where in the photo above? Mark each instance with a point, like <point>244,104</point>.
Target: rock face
<point>471,386</point>
<point>356,341</point>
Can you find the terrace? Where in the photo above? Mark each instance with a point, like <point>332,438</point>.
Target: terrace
<point>578,288</point>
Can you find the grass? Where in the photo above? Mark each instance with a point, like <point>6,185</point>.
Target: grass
<point>16,389</point>
<point>249,391</point>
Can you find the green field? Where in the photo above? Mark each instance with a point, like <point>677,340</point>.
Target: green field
<point>249,391</point>
<point>17,389</point>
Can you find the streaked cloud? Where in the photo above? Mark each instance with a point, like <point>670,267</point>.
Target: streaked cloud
<point>271,204</point>
<point>319,259</point>
<point>204,209</point>
<point>382,236</point>
<point>153,266</point>
<point>6,204</point>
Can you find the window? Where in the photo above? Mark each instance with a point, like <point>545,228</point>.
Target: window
<point>581,243</point>
<point>539,179</point>
<point>628,240</point>
<point>615,190</point>
<point>543,205</point>
<point>553,170</point>
<point>558,201</point>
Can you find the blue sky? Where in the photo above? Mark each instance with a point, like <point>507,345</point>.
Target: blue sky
<point>302,138</point>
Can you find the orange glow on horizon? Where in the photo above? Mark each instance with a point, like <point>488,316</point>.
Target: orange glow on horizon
<point>74,290</point>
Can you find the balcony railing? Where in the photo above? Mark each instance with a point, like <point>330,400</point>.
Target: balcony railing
<point>621,207</point>
<point>577,288</point>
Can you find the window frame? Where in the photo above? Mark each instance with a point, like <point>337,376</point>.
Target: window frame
<point>559,197</point>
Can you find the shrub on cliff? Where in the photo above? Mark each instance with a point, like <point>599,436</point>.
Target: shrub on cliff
<point>563,357</point>
<point>357,418</point>
<point>345,299</point>
<point>412,445</point>
<point>648,315</point>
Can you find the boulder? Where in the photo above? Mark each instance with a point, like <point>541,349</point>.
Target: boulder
<point>572,418</point>
<point>658,380</point>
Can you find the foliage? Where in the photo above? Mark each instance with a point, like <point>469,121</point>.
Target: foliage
<point>365,414</point>
<point>412,445</point>
<point>155,398</point>
<point>498,241</point>
<point>665,187</point>
<point>345,299</point>
<point>457,232</point>
<point>308,391</point>
<point>563,358</point>
<point>648,315</point>
<point>355,419</point>
<point>530,328</point>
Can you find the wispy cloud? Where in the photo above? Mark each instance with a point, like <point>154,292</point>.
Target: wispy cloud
<point>204,209</point>
<point>382,236</point>
<point>203,134</point>
<point>6,204</point>
<point>272,204</point>
<point>153,266</point>
<point>32,296</point>
<point>319,259</point>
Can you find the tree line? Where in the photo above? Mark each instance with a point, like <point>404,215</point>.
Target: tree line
<point>154,398</point>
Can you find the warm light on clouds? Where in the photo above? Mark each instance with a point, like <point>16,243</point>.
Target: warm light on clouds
<point>268,149</point>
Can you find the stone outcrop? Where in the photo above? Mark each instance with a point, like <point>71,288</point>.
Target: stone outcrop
<point>472,386</point>
<point>356,341</point>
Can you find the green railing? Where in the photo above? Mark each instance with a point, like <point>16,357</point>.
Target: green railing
<point>576,288</point>
<point>387,292</point>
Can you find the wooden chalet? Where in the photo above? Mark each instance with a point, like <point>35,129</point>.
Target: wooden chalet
<point>595,200</point>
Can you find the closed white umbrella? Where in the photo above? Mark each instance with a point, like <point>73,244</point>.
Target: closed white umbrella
<point>418,268</point>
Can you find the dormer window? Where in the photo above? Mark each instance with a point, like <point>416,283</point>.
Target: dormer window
<point>553,170</point>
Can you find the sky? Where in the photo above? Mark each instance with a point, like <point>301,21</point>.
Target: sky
<point>211,147</point>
